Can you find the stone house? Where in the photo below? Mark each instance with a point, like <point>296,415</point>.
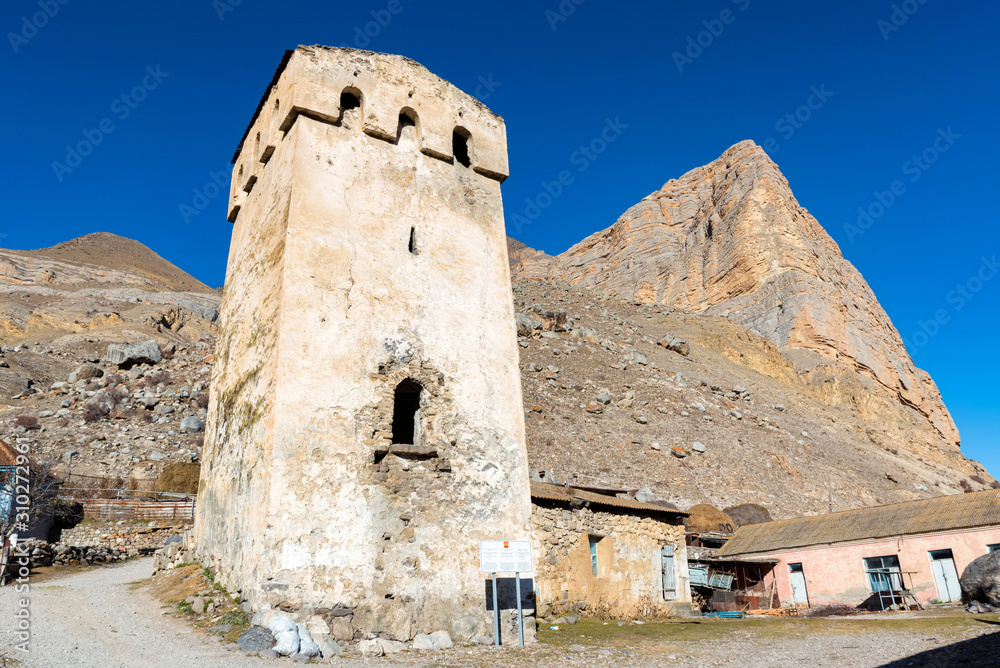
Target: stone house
<point>607,555</point>
<point>365,429</point>
<point>875,557</point>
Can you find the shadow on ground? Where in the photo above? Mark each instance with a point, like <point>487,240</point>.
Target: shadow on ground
<point>981,651</point>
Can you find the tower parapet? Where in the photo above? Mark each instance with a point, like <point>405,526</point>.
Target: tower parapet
<point>319,82</point>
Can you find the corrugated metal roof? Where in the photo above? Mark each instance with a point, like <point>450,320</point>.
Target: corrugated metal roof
<point>942,513</point>
<point>544,490</point>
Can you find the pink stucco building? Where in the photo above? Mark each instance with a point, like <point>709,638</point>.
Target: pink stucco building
<point>876,556</point>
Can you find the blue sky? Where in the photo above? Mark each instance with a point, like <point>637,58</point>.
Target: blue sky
<point>909,99</point>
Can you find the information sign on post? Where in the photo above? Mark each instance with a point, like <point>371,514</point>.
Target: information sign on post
<point>506,556</point>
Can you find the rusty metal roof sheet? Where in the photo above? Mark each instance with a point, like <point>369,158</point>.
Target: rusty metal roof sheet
<point>942,513</point>
<point>544,490</point>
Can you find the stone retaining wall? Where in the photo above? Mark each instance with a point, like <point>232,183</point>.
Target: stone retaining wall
<point>133,538</point>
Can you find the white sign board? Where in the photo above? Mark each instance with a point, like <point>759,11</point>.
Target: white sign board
<point>505,556</point>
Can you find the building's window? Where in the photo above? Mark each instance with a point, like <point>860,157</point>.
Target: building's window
<point>993,548</point>
<point>460,146</point>
<point>594,540</point>
<point>413,240</point>
<point>883,573</point>
<point>405,407</point>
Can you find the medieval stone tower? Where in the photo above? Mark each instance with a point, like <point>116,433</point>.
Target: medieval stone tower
<point>366,429</point>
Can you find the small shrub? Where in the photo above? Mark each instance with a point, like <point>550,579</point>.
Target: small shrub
<point>995,484</point>
<point>94,410</point>
<point>115,379</point>
<point>966,487</point>
<point>977,479</point>
<point>235,617</point>
<point>202,401</point>
<point>26,421</point>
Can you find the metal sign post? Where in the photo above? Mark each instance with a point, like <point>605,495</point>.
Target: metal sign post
<point>506,556</point>
<point>496,613</point>
<point>520,618</point>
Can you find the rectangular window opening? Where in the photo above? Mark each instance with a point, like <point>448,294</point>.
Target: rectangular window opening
<point>594,540</point>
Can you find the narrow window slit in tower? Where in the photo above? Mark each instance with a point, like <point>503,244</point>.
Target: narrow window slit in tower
<point>413,240</point>
<point>460,147</point>
<point>406,404</point>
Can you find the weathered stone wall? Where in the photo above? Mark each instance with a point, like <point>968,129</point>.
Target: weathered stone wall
<point>113,534</point>
<point>387,535</point>
<point>230,518</point>
<point>629,579</point>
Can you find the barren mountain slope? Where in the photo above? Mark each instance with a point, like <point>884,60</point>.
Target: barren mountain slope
<point>110,251</point>
<point>730,239</point>
<point>85,293</point>
<point>771,441</point>
<point>99,282</point>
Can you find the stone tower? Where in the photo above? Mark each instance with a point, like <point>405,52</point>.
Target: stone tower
<point>366,426</point>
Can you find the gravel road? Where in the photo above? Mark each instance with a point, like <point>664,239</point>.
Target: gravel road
<point>95,618</point>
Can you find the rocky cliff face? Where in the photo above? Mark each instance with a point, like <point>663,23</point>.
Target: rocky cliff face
<point>730,239</point>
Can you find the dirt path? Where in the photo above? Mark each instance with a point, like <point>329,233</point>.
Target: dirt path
<point>94,619</point>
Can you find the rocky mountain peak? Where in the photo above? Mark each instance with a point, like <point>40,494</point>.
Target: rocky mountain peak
<point>730,239</point>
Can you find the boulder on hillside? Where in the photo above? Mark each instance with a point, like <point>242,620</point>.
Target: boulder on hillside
<point>706,518</point>
<point>192,424</point>
<point>128,355</point>
<point>85,372</point>
<point>981,580</point>
<point>748,513</point>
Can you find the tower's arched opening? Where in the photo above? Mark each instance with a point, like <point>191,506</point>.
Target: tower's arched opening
<point>351,101</point>
<point>461,142</point>
<point>405,406</point>
<point>409,125</point>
